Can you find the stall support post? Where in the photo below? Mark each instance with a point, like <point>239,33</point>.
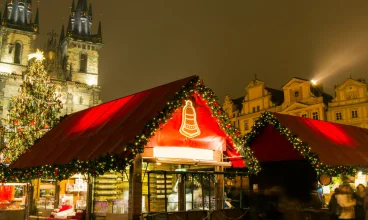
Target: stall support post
<point>181,192</point>
<point>192,188</point>
<point>165,188</point>
<point>220,189</point>
<point>28,202</point>
<point>149,193</point>
<point>241,191</point>
<point>135,189</point>
<point>202,186</point>
<point>57,194</point>
<point>89,198</point>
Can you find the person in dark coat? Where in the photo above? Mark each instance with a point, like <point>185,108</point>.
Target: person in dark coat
<point>333,206</point>
<point>360,195</point>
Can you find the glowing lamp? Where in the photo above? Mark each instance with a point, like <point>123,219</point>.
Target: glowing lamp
<point>314,82</point>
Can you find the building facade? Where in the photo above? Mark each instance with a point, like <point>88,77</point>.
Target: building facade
<point>298,97</point>
<point>72,60</point>
<point>350,106</point>
<point>303,99</point>
<point>244,111</point>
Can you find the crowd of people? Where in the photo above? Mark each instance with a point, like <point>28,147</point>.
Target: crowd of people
<point>347,204</point>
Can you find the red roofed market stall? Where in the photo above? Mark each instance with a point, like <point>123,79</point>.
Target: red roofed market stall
<point>295,152</point>
<point>163,149</point>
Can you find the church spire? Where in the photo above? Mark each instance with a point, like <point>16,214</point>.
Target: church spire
<point>37,18</point>
<point>73,6</point>
<point>82,5</point>
<point>6,16</point>
<point>85,5</point>
<point>18,15</point>
<point>90,11</point>
<point>69,29</point>
<point>80,22</point>
<point>62,35</point>
<point>99,33</point>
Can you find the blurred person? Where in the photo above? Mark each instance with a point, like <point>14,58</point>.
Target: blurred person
<point>347,202</point>
<point>333,206</point>
<point>360,195</point>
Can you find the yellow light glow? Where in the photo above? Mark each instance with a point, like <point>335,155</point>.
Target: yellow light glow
<point>182,153</point>
<point>189,127</point>
<point>314,82</point>
<point>4,69</point>
<point>38,55</point>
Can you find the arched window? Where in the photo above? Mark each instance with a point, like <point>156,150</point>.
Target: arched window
<point>296,93</point>
<point>83,62</point>
<point>17,52</point>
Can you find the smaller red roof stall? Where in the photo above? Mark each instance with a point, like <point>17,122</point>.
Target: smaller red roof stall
<point>294,150</point>
<point>108,136</point>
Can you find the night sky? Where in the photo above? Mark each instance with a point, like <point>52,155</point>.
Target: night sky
<point>152,42</point>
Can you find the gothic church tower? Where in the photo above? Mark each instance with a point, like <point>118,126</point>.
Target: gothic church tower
<point>77,58</point>
<point>18,33</point>
<point>79,47</point>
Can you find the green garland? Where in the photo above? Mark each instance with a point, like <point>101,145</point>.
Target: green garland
<point>120,162</point>
<point>302,147</point>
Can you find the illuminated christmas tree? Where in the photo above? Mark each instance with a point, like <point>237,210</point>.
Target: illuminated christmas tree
<point>33,112</point>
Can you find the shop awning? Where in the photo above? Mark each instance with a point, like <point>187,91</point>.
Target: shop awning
<point>330,143</point>
<point>109,128</point>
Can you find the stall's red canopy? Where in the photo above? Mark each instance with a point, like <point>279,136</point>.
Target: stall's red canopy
<point>335,144</point>
<point>106,128</point>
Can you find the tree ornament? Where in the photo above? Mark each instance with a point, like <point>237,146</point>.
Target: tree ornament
<point>56,172</point>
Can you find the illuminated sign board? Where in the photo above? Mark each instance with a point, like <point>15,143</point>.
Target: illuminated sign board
<point>189,126</point>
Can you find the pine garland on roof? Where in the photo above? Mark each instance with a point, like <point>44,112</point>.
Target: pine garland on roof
<point>302,147</point>
<point>119,162</point>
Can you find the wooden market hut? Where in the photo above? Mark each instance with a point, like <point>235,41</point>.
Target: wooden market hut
<point>126,131</point>
<point>295,151</point>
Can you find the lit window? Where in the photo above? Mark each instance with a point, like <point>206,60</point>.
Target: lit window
<point>354,114</point>
<point>296,94</point>
<point>246,125</point>
<point>17,53</point>
<point>81,100</point>
<point>315,115</point>
<point>83,62</point>
<point>258,108</point>
<point>304,115</point>
<point>254,109</point>
<point>338,116</point>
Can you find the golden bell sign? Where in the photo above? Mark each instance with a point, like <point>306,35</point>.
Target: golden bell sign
<point>189,126</point>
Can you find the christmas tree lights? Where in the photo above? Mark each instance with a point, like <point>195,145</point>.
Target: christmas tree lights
<point>33,112</point>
